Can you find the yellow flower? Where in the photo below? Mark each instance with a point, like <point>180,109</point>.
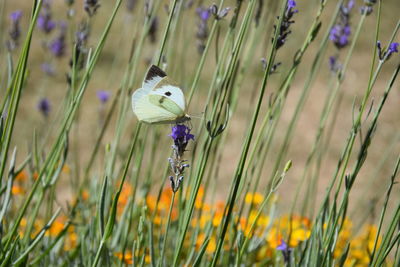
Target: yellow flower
<point>212,244</point>
<point>255,198</point>
<point>66,169</point>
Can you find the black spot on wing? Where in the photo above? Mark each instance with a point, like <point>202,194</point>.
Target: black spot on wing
<point>155,71</point>
<point>168,93</point>
<point>162,99</point>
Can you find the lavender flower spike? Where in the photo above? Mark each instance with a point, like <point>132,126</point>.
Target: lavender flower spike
<point>15,31</point>
<point>340,33</point>
<point>16,16</point>
<point>202,27</point>
<point>57,46</point>
<point>181,135</point>
<point>286,22</point>
<point>44,21</point>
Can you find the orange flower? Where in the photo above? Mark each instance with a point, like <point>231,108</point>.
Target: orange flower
<point>126,257</point>
<point>17,190</point>
<point>21,176</point>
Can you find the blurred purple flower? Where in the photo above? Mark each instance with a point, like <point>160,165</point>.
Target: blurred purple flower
<point>202,27</point>
<point>15,30</point>
<point>340,33</point>
<point>103,96</point>
<point>48,68</point>
<point>57,46</point>
<point>44,21</point>
<point>44,106</point>
<point>286,251</point>
<point>282,246</point>
<point>367,8</point>
<point>334,64</point>
<point>16,16</point>
<point>284,29</point>
<point>203,13</point>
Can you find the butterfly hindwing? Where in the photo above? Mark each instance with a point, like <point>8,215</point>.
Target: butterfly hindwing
<point>146,111</point>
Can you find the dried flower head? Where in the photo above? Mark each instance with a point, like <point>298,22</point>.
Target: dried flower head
<point>91,6</point>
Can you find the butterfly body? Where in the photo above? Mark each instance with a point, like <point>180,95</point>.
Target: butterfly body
<point>159,100</point>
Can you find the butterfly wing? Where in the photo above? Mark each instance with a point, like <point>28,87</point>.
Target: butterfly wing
<point>174,95</point>
<point>159,100</point>
<point>147,111</point>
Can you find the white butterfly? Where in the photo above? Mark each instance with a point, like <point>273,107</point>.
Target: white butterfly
<point>159,100</point>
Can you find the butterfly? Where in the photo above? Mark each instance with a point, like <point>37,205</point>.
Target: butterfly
<point>160,100</point>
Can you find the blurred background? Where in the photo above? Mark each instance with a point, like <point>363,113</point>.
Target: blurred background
<point>48,80</point>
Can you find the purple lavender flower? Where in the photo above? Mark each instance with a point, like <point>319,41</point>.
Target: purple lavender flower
<point>340,33</point>
<point>334,64</point>
<point>368,7</point>
<point>202,28</point>
<point>282,246</point>
<point>393,48</point>
<point>57,46</point>
<point>44,21</point>
<point>286,251</point>
<point>386,54</point>
<point>16,16</point>
<point>103,96</point>
<point>203,13</point>
<point>181,135</point>
<point>15,31</point>
<point>47,68</point>
<point>44,106</point>
<point>286,22</point>
<point>91,6</point>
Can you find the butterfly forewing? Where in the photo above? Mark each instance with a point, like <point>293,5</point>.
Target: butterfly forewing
<point>153,77</point>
